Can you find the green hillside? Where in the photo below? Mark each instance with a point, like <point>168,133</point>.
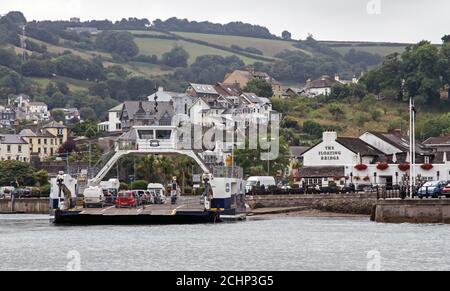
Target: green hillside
<point>157,46</point>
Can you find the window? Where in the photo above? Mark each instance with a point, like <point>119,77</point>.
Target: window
<point>60,131</point>
<point>8,148</point>
<point>60,141</point>
<point>52,152</point>
<point>39,141</point>
<point>39,150</point>
<point>51,141</point>
<point>19,149</point>
<point>45,141</point>
<point>163,134</point>
<point>45,150</point>
<point>118,126</point>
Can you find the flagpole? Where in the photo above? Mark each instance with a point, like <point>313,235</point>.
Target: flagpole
<point>411,171</point>
<point>414,144</point>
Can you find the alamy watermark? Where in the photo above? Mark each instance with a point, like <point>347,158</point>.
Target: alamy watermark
<point>74,263</point>
<point>237,133</point>
<point>374,260</point>
<point>374,7</point>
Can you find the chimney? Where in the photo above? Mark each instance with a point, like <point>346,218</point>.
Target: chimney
<point>337,78</point>
<point>329,136</point>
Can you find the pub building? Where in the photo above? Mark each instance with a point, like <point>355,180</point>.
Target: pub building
<point>374,158</point>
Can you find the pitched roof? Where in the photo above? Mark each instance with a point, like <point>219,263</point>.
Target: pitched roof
<point>117,108</point>
<point>54,124</point>
<point>204,89</point>
<point>11,139</point>
<point>323,82</point>
<point>166,96</point>
<point>321,172</point>
<point>359,146</point>
<point>443,140</point>
<point>399,141</point>
<point>297,151</point>
<point>228,89</point>
<point>132,107</point>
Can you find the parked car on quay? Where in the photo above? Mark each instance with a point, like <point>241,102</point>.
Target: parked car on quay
<point>431,189</point>
<point>127,199</point>
<point>24,193</point>
<point>446,191</point>
<point>144,197</point>
<point>5,192</point>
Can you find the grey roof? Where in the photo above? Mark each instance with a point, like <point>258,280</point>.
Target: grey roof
<point>297,151</point>
<point>11,139</point>
<point>117,108</point>
<point>204,89</point>
<point>251,97</point>
<point>166,96</point>
<point>265,100</point>
<point>132,107</point>
<point>322,82</point>
<point>27,132</point>
<point>359,146</point>
<point>129,136</point>
<point>443,140</point>
<point>398,141</point>
<point>321,172</point>
<point>54,124</point>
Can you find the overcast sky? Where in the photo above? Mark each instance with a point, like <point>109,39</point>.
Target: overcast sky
<point>373,20</point>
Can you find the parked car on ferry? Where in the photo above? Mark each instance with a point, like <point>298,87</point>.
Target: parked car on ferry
<point>144,197</point>
<point>431,189</point>
<point>158,193</point>
<point>94,197</point>
<point>127,199</point>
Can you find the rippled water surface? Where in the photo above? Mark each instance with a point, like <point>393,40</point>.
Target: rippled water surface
<point>32,243</point>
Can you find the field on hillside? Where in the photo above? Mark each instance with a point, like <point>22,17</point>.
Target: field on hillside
<point>270,47</point>
<point>156,46</point>
<point>74,85</point>
<point>380,50</point>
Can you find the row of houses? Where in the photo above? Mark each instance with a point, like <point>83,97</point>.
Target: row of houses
<point>41,142</point>
<point>374,158</point>
<point>21,109</point>
<point>201,104</point>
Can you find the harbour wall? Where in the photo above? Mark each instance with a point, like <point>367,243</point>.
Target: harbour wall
<point>28,206</point>
<point>413,211</point>
<point>361,203</point>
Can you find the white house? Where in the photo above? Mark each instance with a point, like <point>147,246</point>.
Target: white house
<point>375,158</point>
<point>113,124</point>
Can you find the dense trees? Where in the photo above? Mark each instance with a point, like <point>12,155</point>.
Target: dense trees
<point>121,43</point>
<point>69,65</point>
<point>209,69</point>
<point>419,72</point>
<point>232,28</point>
<point>177,57</point>
<point>38,68</point>
<point>286,35</point>
<point>12,172</point>
<point>260,87</point>
<point>364,58</point>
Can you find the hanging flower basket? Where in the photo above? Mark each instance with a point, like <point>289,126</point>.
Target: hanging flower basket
<point>361,167</point>
<point>366,178</point>
<point>382,166</point>
<point>404,167</point>
<point>427,167</point>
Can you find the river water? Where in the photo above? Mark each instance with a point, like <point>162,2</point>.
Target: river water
<point>30,242</point>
